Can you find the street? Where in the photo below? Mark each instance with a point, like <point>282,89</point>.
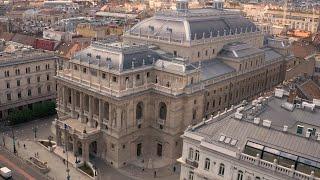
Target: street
<point>20,170</point>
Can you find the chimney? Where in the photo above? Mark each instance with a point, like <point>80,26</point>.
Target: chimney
<point>292,96</point>
<point>182,5</point>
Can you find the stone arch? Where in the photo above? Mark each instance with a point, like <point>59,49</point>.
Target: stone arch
<point>139,110</point>
<point>162,110</point>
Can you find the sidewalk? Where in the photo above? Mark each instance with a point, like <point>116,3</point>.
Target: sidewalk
<point>57,168</point>
<point>164,173</point>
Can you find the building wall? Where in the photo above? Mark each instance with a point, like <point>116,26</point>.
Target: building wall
<point>231,165</point>
<point>200,49</point>
<point>10,87</point>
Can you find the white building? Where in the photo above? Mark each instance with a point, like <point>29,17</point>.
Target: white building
<point>271,138</point>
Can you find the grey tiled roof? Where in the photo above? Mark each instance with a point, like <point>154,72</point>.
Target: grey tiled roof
<point>189,27</point>
<point>213,68</point>
<point>238,50</point>
<point>271,54</point>
<point>274,137</point>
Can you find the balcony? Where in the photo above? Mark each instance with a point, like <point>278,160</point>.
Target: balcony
<point>192,163</point>
<point>161,121</point>
<point>73,126</point>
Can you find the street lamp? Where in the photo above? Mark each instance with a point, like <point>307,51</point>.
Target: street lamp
<point>35,129</point>
<point>14,143</point>
<point>66,146</point>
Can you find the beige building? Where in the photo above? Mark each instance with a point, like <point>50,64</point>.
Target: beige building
<point>274,19</point>
<point>130,102</point>
<point>26,77</point>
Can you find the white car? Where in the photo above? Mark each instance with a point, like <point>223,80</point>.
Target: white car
<point>5,173</point>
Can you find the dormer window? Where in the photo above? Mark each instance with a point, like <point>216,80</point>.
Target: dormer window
<point>108,59</point>
<point>89,54</point>
<point>98,57</point>
<point>151,28</point>
<point>169,30</point>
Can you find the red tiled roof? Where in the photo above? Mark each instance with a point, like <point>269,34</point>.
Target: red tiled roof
<point>302,49</point>
<point>311,89</point>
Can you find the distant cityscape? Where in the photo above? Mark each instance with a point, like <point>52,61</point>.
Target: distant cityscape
<point>160,89</point>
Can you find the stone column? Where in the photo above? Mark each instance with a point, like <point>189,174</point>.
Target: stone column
<point>73,103</point>
<point>74,143</point>
<point>90,111</point>
<point>101,113</point>
<point>59,96</point>
<point>85,151</point>
<point>81,107</point>
<point>64,98</point>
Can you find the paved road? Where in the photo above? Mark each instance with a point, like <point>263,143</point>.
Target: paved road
<point>19,168</point>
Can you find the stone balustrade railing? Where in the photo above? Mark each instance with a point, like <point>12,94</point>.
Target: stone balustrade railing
<point>109,90</point>
<point>291,172</point>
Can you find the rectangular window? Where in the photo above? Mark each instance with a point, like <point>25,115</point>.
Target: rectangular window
<point>9,97</point>
<point>114,79</point>
<point>18,82</point>
<point>175,53</point>
<point>48,77</point>
<point>48,88</point>
<point>37,68</point>
<point>19,95</point>
<point>39,90</point>
<point>191,174</point>
<point>38,79</point>
<point>6,73</point>
<point>103,75</point>
<point>28,80</point>
<point>8,85</point>
<point>27,70</point>
<point>197,156</point>
<point>190,156</point>
<point>17,71</point>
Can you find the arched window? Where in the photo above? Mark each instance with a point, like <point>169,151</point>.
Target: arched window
<point>207,164</point>
<point>221,169</point>
<point>139,110</point>
<point>240,175</point>
<point>162,111</point>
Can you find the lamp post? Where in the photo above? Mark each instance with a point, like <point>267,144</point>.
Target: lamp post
<point>35,129</point>
<point>66,145</point>
<point>13,141</point>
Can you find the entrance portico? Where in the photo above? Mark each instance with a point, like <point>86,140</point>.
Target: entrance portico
<point>79,138</point>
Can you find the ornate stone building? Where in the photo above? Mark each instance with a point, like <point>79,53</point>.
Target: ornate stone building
<point>128,102</point>
<point>27,77</point>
